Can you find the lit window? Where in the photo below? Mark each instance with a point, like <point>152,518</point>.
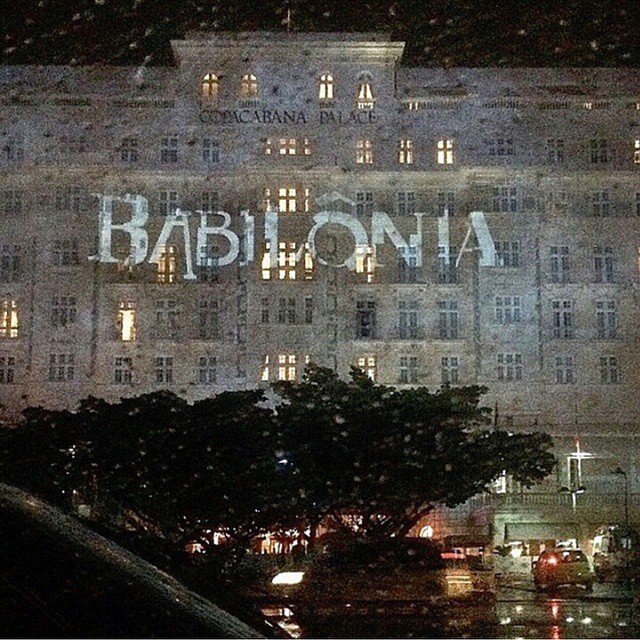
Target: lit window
<point>306,205</point>
<point>268,146</point>
<point>308,262</point>
<point>286,261</point>
<point>364,151</point>
<point>287,367</point>
<point>248,86</point>
<point>636,152</point>
<point>364,98</point>
<point>210,86</point>
<point>445,151</point>
<point>286,200</point>
<point>365,261</point>
<point>368,365</point>
<point>122,370</point>
<point>288,146</point>
<point>265,370</point>
<point>325,87</point>
<point>127,321</point>
<point>8,318</point>
<point>167,266</point>
<point>405,152</point>
<point>266,262</point>
<point>306,146</point>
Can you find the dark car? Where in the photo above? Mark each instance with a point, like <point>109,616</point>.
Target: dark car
<point>562,567</point>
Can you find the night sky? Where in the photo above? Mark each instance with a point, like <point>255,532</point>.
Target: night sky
<point>438,32</point>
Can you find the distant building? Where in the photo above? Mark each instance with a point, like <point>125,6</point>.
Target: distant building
<point>278,198</point>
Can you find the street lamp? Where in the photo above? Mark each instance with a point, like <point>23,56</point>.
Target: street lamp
<point>627,538</point>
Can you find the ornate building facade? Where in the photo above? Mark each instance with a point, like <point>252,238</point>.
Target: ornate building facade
<point>275,199</point>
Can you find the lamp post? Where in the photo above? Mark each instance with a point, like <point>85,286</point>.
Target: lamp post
<point>627,537</point>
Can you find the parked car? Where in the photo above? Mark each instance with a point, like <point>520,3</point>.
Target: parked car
<point>562,567</point>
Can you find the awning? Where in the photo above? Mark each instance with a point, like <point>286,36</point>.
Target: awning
<point>539,531</point>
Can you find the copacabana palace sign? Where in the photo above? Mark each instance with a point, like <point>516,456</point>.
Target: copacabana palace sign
<point>218,224</point>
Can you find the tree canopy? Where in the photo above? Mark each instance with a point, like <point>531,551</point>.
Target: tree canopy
<point>345,452</point>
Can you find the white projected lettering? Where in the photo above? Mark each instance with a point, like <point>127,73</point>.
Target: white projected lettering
<point>239,244</point>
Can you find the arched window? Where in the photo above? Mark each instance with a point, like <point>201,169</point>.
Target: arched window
<point>210,86</point>
<point>325,89</point>
<point>248,86</point>
<point>364,97</point>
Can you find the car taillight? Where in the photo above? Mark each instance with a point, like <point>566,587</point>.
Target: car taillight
<point>552,560</point>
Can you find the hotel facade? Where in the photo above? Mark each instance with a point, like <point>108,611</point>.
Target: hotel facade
<point>274,199</point>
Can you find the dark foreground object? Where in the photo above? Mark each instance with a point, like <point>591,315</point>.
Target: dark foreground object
<point>59,579</point>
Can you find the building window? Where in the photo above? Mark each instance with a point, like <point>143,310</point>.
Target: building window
<point>408,264</point>
<point>169,149</point>
<point>287,311</point>
<point>366,319</point>
<point>14,149</point>
<point>366,261</point>
<point>168,203</point>
<point>609,370</point>
<point>167,271</point>
<point>265,264</point>
<point>505,199</point>
<point>71,199</point>
<point>408,370</point>
<point>10,262</point>
<point>264,376</point>
<point>210,87</point>
<point>308,262</point>
<point>286,261</point>
<point>448,320</point>
<point>8,318</point>
<point>127,321</point>
<point>405,151</point>
<point>636,151</point>
<point>12,201</point>
<point>65,253</point>
<point>248,86</point>
<point>7,369</point>
<point>369,366</point>
<point>308,310</point>
<point>555,150</point>
<point>63,311</point>
<point>264,310</point>
<point>445,151</point>
<point>405,203</point>
<point>564,369</point>
<point>209,202</point>
<point>603,264</point>
<point>208,319</point>
<point>364,203</point>
<point>167,319</point>
<point>450,369</point>
<point>364,151</point>
<point>364,97</point>
<point>501,147</point>
<point>600,204</point>
<point>61,367</point>
<point>210,151</point>
<point>122,370</point>
<point>447,270</point>
<point>446,204</point>
<point>129,150</point>
<point>509,367</point>
<point>507,253</point>
<point>164,369</point>
<point>287,200</point>
<point>508,309</point>
<point>606,319</point>
<point>287,369</point>
<point>407,319</point>
<point>599,153</point>
<point>560,265</point>
<point>562,318</point>
<point>326,87</point>
<point>207,369</point>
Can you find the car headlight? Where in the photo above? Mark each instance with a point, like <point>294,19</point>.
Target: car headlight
<point>288,577</point>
